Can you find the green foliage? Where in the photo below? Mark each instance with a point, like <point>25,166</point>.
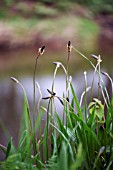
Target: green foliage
<point>95,6</point>
<point>84,141</point>
<point>99,109</point>
<point>44,8</point>
<point>2,13</point>
<point>98,6</point>
<point>15,162</point>
<point>63,158</point>
<point>44,11</point>
<point>8,2</point>
<point>79,158</point>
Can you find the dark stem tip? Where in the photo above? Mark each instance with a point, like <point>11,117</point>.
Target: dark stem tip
<point>69,43</point>
<point>42,49</point>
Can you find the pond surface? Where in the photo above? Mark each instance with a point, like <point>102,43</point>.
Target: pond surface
<point>20,64</point>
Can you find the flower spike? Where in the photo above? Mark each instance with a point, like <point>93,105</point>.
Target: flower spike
<point>69,46</point>
<point>41,50</point>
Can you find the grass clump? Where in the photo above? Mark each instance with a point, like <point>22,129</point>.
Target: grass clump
<point>81,139</point>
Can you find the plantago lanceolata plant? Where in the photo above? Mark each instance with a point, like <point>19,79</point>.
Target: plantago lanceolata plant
<point>84,142</point>
<point>40,52</point>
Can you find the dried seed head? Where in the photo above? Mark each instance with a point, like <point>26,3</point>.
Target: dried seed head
<point>104,73</point>
<point>69,43</point>
<point>67,99</point>
<point>61,101</point>
<point>50,92</point>
<point>98,58</point>
<point>46,98</point>
<point>57,63</point>
<point>14,79</point>
<point>94,56</point>
<point>69,46</point>
<point>85,73</point>
<point>41,50</point>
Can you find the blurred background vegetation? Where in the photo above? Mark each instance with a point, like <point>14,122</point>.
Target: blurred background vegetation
<point>96,6</point>
<point>27,24</point>
<point>27,21</point>
<point>31,23</point>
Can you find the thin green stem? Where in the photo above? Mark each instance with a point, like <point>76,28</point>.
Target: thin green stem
<point>47,128</point>
<point>96,71</point>
<point>99,79</point>
<point>67,76</point>
<point>34,106</point>
<point>34,91</point>
<point>57,66</point>
<point>85,97</point>
<point>67,80</point>
<point>27,103</point>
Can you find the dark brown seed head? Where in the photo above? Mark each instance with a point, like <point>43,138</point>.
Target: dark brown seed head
<point>52,93</point>
<point>41,50</point>
<point>69,47</point>
<point>69,43</point>
<point>67,99</point>
<point>45,98</point>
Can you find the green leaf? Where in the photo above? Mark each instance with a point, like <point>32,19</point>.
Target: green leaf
<point>90,121</point>
<point>22,139</point>
<point>8,148</point>
<point>63,158</point>
<point>99,109</point>
<point>79,158</point>
<point>3,148</point>
<point>61,126</point>
<point>85,126</point>
<point>67,141</point>
<point>76,102</point>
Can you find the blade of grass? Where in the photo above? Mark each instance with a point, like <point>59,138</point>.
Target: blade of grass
<point>63,158</point>
<point>76,102</point>
<point>67,141</point>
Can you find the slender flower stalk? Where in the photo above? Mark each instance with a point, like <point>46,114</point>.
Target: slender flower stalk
<point>51,98</point>
<point>40,52</point>
<point>84,93</point>
<point>97,69</point>
<point>77,51</point>
<point>108,76</point>
<point>69,48</point>
<point>104,96</point>
<point>58,64</point>
<point>26,100</point>
<point>38,86</point>
<point>56,68</point>
<point>111,81</point>
<point>52,92</point>
<point>99,61</point>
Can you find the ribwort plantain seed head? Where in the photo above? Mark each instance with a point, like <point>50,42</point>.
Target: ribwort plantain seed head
<point>69,43</point>
<point>14,79</point>
<point>98,58</point>
<point>69,46</point>
<point>41,50</point>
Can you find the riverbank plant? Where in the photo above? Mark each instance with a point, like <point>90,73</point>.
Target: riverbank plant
<point>80,139</point>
